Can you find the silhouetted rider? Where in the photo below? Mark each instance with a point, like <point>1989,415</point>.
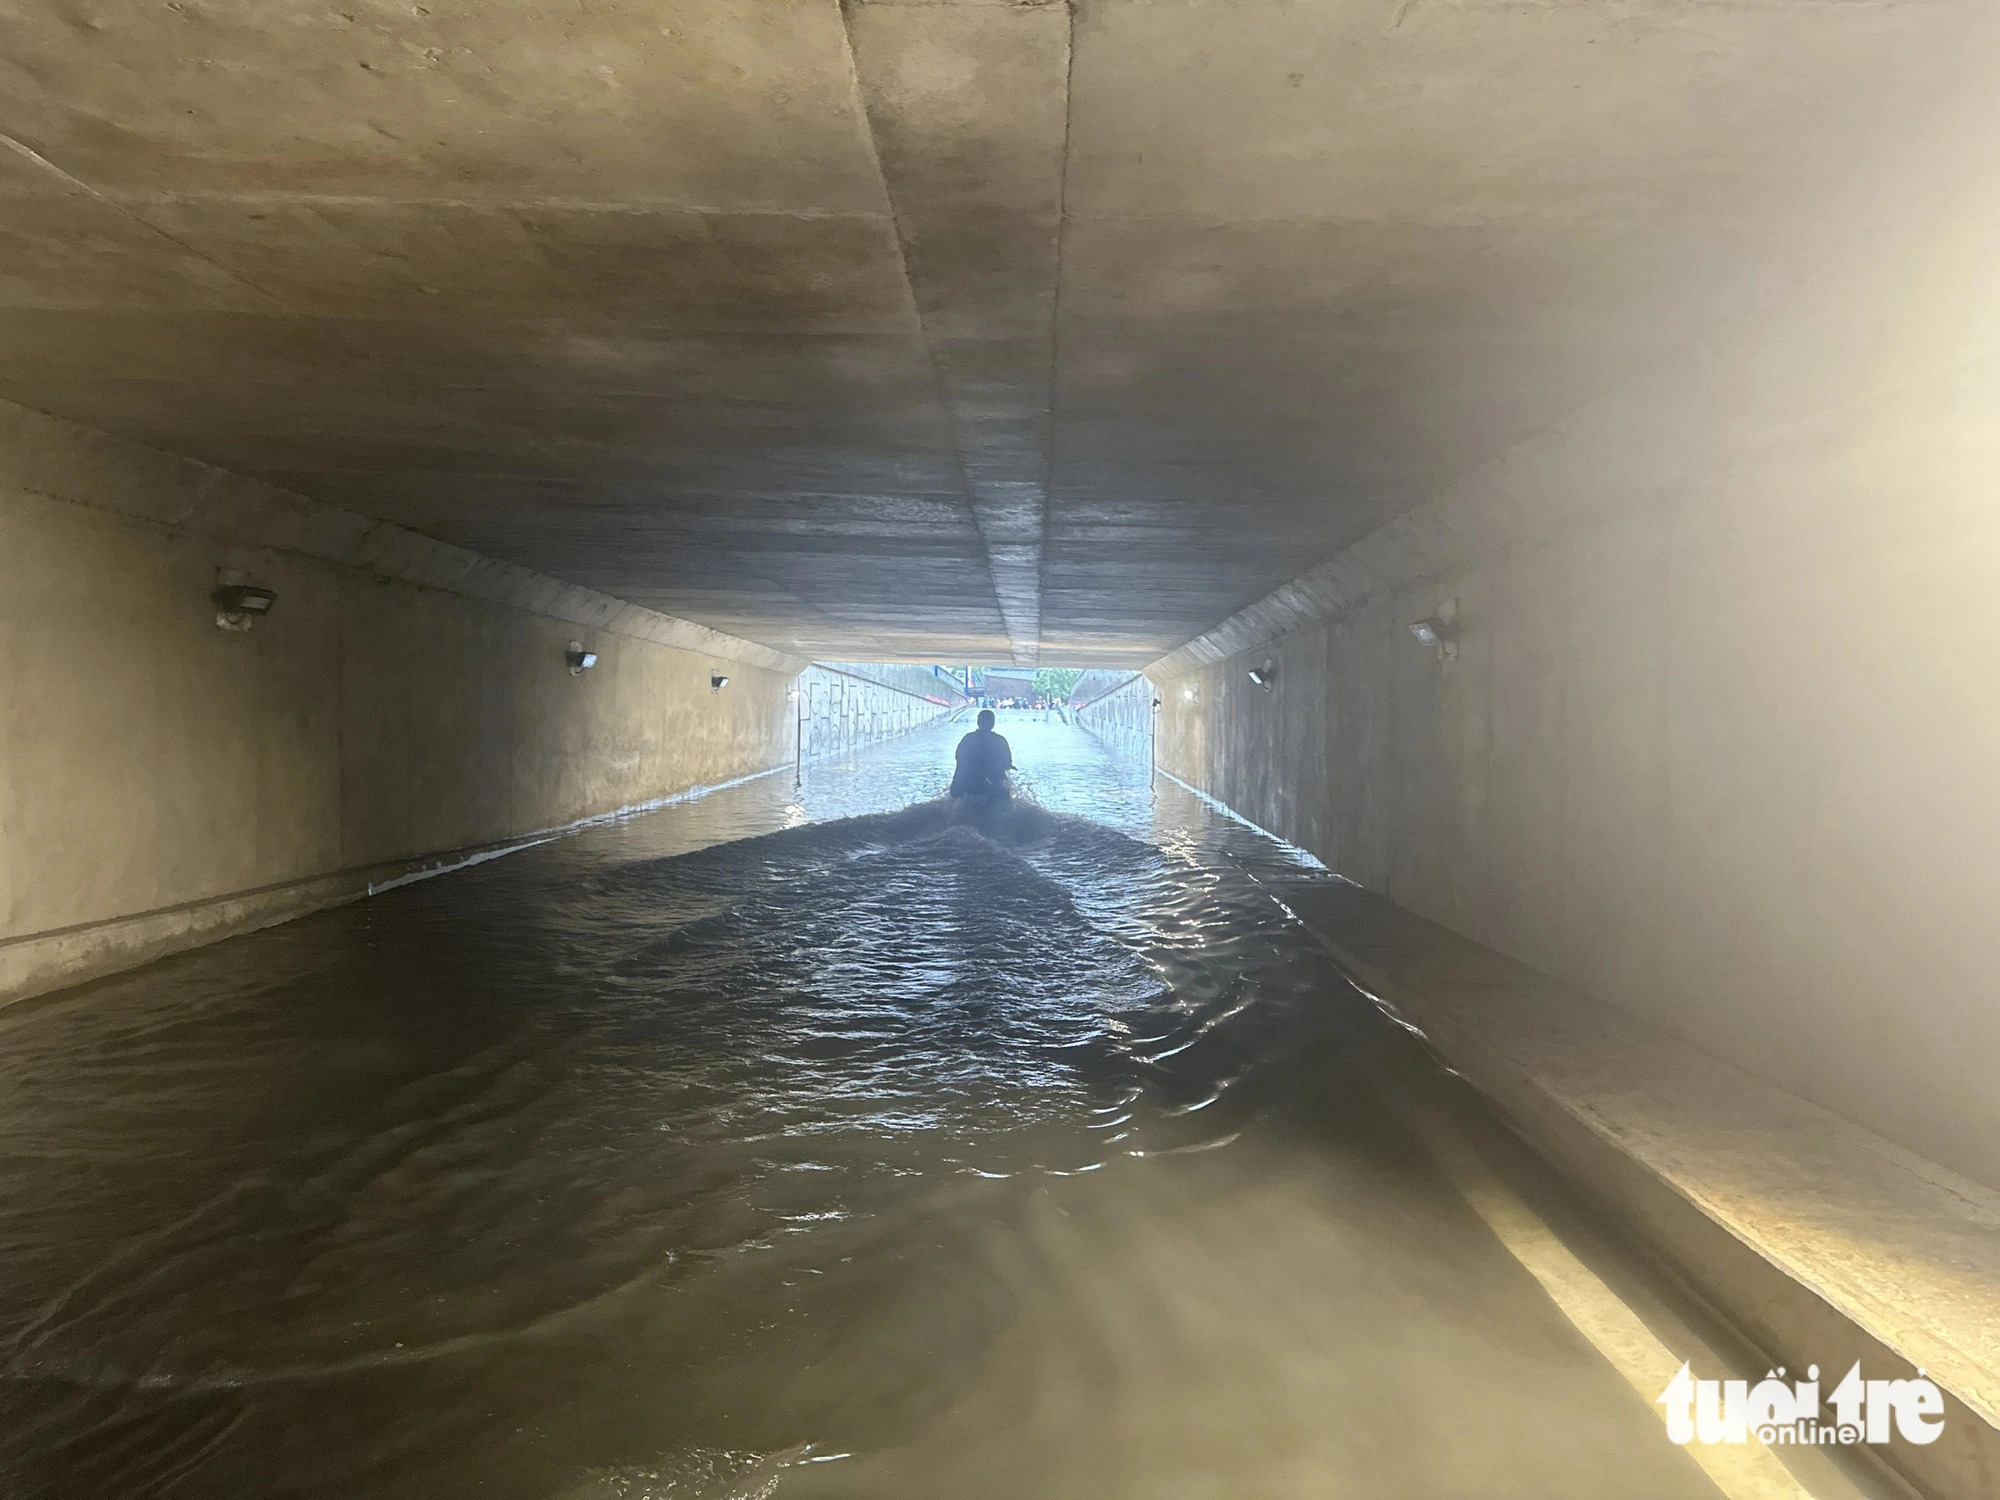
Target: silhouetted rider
<point>984,759</point>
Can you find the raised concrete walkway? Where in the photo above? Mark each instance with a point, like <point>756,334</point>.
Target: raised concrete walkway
<point>1823,1242</point>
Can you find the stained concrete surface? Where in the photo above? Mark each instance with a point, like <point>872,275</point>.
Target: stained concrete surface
<point>1824,1242</point>
<point>961,330</point>
<point>149,760</point>
<point>163,782</point>
<point>1660,336</point>
<point>840,711</point>
<point>1714,758</point>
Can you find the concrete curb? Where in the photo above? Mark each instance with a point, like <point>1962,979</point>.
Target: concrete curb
<point>39,963</point>
<point>1819,1241</point>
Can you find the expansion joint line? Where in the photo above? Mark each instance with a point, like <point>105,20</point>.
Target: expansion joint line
<point>1056,314</point>
<point>1023,634</point>
<point>125,210</point>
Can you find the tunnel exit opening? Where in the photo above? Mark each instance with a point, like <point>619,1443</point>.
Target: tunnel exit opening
<point>839,708</point>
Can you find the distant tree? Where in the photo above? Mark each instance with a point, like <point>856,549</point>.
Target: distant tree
<point>1056,683</point>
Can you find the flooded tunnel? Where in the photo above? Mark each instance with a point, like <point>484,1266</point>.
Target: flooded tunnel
<point>801,1138</point>
<point>1476,522</point>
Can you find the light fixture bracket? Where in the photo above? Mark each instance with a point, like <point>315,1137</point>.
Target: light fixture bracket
<point>1440,630</point>
<point>239,605</point>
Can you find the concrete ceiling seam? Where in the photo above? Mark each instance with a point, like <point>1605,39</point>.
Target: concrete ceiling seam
<point>1010,626</point>
<point>124,208</point>
<point>962,102</point>
<point>417,471</point>
<point>1049,332</point>
<point>1056,308</point>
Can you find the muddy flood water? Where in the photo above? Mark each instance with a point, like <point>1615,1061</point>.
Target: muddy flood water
<point>781,1142</point>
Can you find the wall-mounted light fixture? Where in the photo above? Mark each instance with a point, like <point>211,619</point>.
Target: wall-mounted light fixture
<point>717,682</point>
<point>1191,693</point>
<point>239,604</point>
<point>1156,705</point>
<point>1440,630</point>
<point>1266,675</point>
<point>580,660</point>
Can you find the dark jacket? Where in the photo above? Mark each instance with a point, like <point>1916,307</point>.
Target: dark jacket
<point>984,759</point>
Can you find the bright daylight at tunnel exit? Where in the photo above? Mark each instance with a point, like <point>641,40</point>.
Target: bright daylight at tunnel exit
<point>999,749</point>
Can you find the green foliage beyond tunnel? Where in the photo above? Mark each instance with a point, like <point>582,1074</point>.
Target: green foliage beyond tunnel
<point>1056,682</point>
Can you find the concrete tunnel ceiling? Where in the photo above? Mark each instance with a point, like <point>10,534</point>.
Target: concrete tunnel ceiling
<point>1021,332</point>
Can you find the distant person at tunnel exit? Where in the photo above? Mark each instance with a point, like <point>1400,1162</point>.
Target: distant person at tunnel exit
<point>984,759</point>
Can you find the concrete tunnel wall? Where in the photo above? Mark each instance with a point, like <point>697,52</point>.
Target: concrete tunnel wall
<point>1718,744</point>
<point>1117,707</point>
<point>851,705</point>
<point>164,782</point>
